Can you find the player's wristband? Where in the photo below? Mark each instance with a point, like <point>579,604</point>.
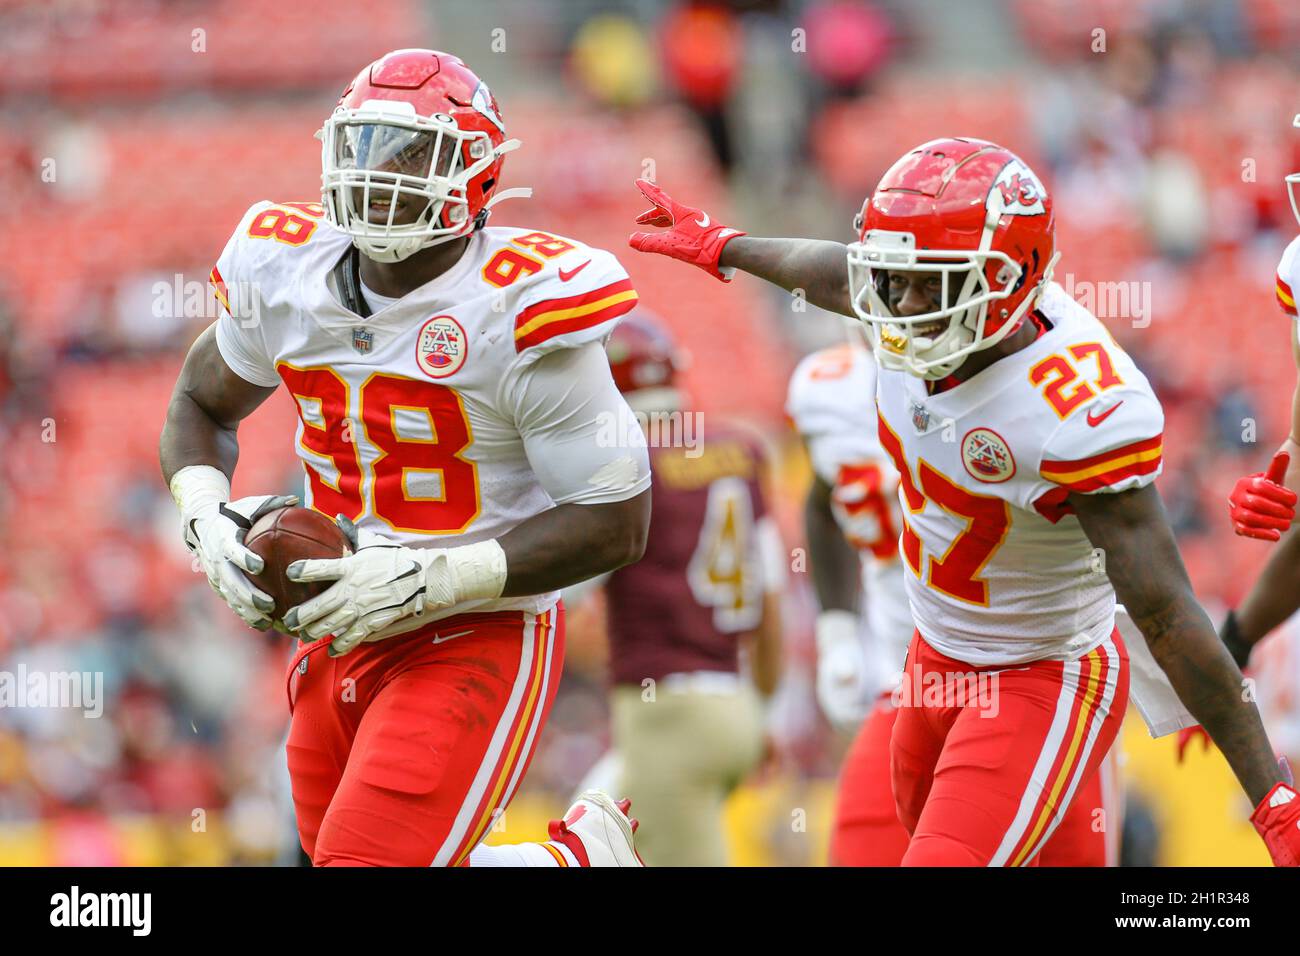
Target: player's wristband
<point>1230,634</point>
<point>476,571</point>
<point>197,485</point>
<point>724,236</point>
<point>196,488</point>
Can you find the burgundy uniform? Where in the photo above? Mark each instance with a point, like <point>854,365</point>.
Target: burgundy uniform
<point>699,585</point>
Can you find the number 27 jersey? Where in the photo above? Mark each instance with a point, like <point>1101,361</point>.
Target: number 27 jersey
<point>1000,570</point>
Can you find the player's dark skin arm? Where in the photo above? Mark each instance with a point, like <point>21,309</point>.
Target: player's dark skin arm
<point>832,559</point>
<point>206,407</point>
<point>571,543</point>
<point>1142,561</point>
<point>1275,595</point>
<point>818,267</point>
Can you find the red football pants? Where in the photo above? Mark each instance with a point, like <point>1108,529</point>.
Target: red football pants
<point>985,762</point>
<point>867,832</point>
<point>1090,830</point>
<point>403,752</point>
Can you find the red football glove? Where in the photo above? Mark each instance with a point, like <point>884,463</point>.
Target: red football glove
<point>1260,505</point>
<point>1277,818</point>
<point>691,237</point>
<point>1187,735</point>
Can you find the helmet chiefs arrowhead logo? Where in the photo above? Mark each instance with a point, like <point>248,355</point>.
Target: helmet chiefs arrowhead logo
<point>1020,192</point>
<point>482,102</point>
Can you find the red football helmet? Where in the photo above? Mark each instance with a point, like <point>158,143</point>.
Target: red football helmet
<point>412,153</point>
<point>972,212</point>
<point>645,360</point>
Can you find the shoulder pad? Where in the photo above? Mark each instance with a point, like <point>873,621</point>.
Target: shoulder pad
<point>576,296</point>
<point>832,386</point>
<point>1111,443</point>
<point>264,232</point>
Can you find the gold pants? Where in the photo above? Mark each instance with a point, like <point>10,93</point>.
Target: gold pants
<point>683,750</point>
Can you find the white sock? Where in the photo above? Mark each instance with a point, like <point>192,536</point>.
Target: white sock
<point>521,854</point>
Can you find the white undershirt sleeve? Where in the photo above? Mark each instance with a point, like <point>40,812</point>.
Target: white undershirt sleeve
<point>582,440</point>
<point>242,352</point>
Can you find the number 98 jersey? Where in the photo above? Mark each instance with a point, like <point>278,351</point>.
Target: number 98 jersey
<point>453,413</point>
<point>999,568</point>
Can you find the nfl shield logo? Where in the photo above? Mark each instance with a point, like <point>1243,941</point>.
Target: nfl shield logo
<point>920,417</point>
<point>361,340</point>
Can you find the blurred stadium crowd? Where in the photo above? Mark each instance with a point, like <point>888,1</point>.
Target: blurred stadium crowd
<point>134,133</point>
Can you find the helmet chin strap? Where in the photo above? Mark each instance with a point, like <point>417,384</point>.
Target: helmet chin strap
<point>515,192</point>
<point>395,250</point>
<point>950,365</point>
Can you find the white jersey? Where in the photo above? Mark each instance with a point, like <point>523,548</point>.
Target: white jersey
<point>455,412</point>
<point>1000,569</point>
<point>1288,277</point>
<point>1275,666</point>
<point>832,404</point>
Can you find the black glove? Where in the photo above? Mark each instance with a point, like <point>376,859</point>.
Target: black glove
<point>1230,634</point>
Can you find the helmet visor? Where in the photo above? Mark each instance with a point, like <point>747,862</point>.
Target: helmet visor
<point>385,148</point>
<point>399,183</point>
<point>398,175</point>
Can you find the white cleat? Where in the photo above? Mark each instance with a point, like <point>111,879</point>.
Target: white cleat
<point>598,831</point>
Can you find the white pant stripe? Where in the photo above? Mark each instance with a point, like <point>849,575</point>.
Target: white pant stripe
<point>535,724</point>
<point>468,814</point>
<point>1046,757</point>
<point>1111,660</point>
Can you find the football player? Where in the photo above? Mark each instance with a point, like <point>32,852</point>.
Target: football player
<point>1027,443</point>
<point>851,522</point>
<point>1262,505</point>
<point>688,724</point>
<point>450,381</point>
<point>851,519</point>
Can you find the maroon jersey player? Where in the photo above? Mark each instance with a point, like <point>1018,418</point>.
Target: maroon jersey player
<point>687,718</point>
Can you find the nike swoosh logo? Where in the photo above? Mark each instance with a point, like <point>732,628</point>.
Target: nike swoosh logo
<point>566,276</point>
<point>703,221</point>
<point>447,637</point>
<point>1095,420</point>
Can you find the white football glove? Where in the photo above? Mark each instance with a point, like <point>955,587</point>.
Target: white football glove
<point>214,529</point>
<point>383,583</point>
<point>842,679</point>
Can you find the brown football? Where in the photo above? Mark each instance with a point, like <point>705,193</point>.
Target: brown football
<point>284,536</point>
